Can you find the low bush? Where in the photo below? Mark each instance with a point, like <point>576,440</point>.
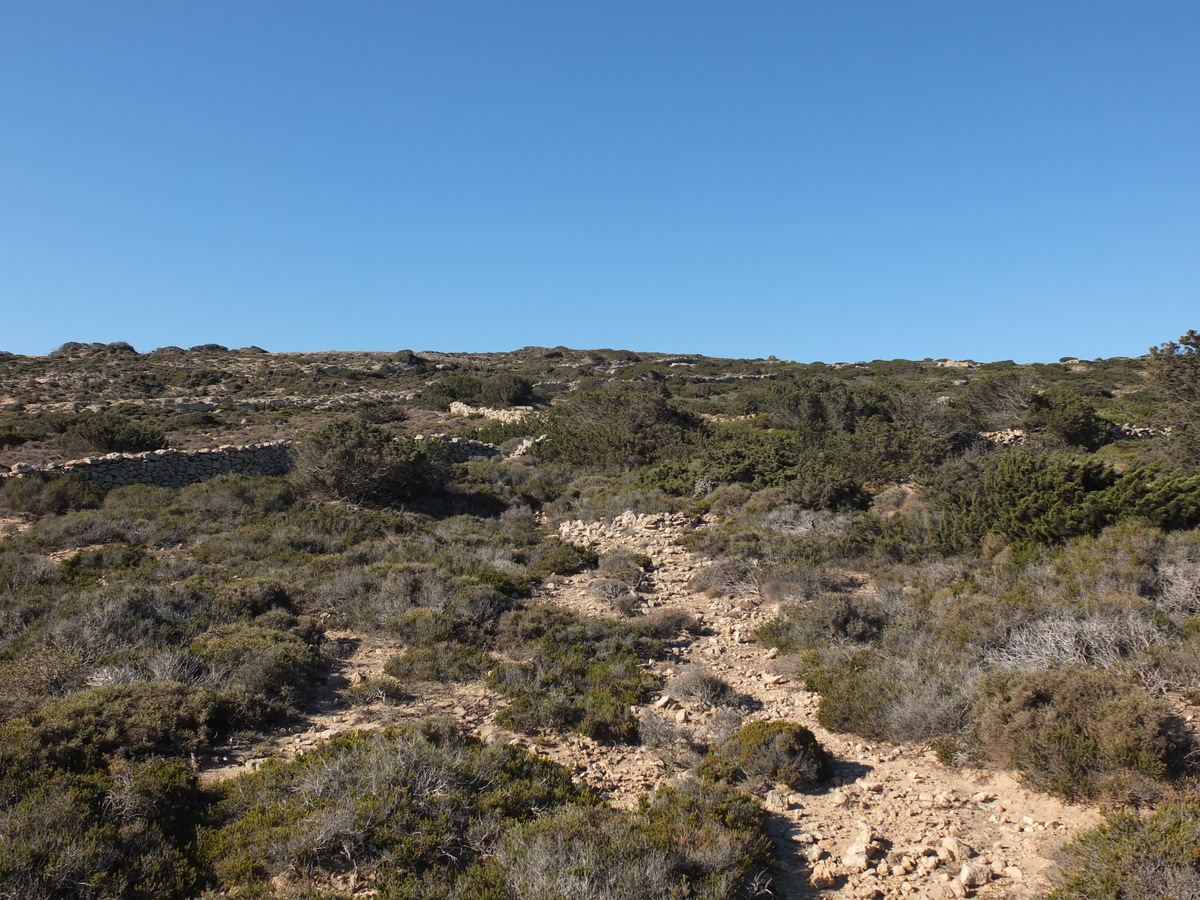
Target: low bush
<point>579,674</point>
<point>110,432</point>
<point>87,566</point>
<point>263,668</point>
<point>255,596</point>
<point>626,566</point>
<point>397,803</point>
<point>555,556</point>
<point>884,693</point>
<point>43,495</point>
<point>857,688</point>
<point>690,841</point>
<point>450,661</point>
<point>353,460</point>
<point>1061,640</point>
<point>669,623</point>
<point>84,730</point>
<point>1134,856</point>
<point>609,590</point>
<point>829,618</point>
<point>39,676</point>
<point>126,833</point>
<point>1076,732</point>
<point>694,682</point>
<point>799,583</point>
<point>1178,589</point>
<point>761,753</point>
<point>379,689</point>
<point>727,576</point>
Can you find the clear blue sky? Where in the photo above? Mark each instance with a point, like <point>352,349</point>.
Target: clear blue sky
<point>817,181</point>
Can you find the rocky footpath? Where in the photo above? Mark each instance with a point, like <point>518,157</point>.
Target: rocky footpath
<point>892,823</point>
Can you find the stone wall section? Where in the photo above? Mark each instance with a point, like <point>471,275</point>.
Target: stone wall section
<point>514,414</point>
<point>171,468</point>
<point>323,403</point>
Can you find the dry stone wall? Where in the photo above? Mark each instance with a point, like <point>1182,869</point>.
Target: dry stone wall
<point>171,468</point>
<point>321,403</point>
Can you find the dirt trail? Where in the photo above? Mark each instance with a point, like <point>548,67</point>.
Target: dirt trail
<point>329,714</point>
<point>893,822</point>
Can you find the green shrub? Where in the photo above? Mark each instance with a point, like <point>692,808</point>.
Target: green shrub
<point>397,803</point>
<point>12,437</point>
<point>126,833</point>
<point>485,389</point>
<point>1068,419</point>
<point>381,412</point>
<point>42,495</point>
<point>828,618</point>
<point>1136,857</point>
<point>579,674</point>
<point>81,731</point>
<point>263,668</point>
<point>857,689</point>
<point>796,464</point>
<point>1074,732</point>
<point>450,661</point>
<point>356,461</point>
<point>110,432</point>
<point>690,841</point>
<point>505,389</point>
<point>618,427</point>
<point>909,689</point>
<point>555,556</point>
<point>824,487</point>
<point>761,753</point>
<point>1175,373</point>
<point>1035,498</point>
<point>1030,497</point>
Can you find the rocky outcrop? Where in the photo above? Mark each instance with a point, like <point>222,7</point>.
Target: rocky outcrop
<point>1006,437</point>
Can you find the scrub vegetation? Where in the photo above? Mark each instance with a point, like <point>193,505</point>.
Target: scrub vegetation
<point>999,560</point>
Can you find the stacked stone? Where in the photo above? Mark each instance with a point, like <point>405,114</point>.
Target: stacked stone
<point>1141,432</point>
<point>515,414</point>
<point>208,404</point>
<point>172,468</point>
<point>463,449</point>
